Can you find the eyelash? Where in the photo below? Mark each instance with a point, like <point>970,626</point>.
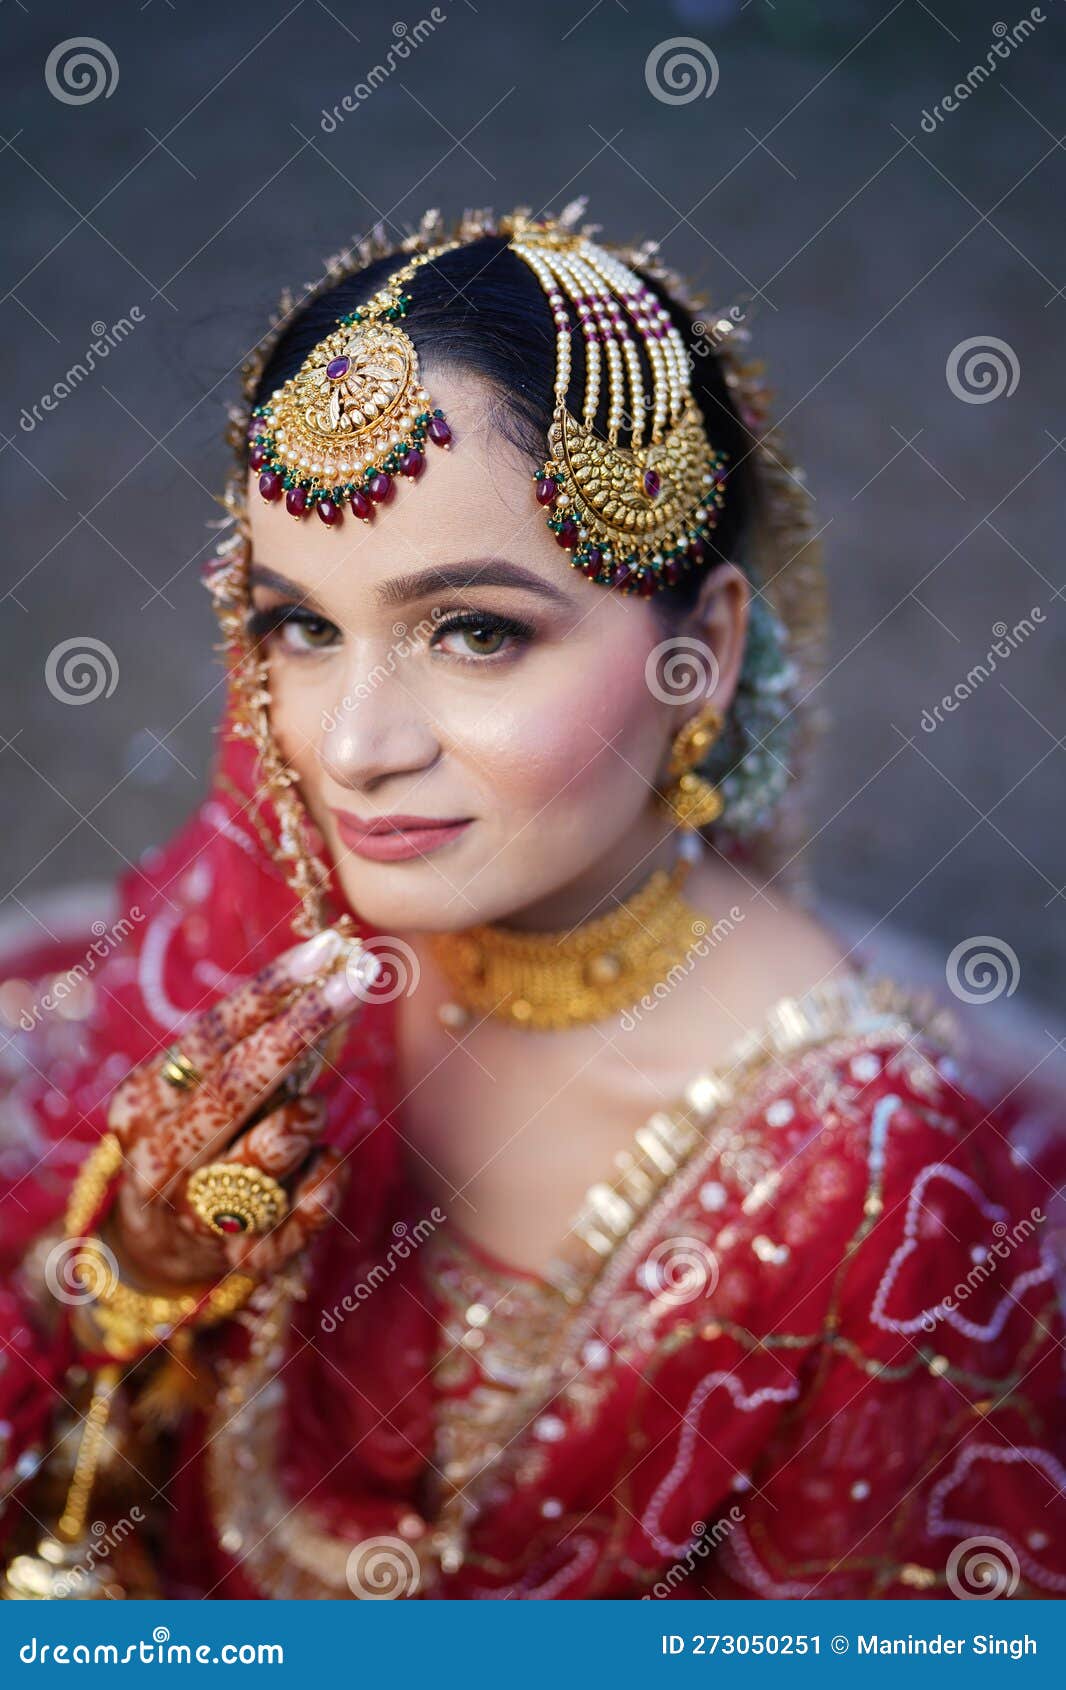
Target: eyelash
<point>263,625</point>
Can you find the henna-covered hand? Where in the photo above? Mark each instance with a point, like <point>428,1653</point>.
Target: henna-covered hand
<point>244,1047</point>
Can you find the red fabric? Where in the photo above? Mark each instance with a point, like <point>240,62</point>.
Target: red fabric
<point>684,1449</point>
<point>194,919</point>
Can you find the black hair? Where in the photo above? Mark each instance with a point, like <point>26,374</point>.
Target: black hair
<point>480,308</point>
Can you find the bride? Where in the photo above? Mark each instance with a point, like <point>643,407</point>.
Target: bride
<point>565,1214</point>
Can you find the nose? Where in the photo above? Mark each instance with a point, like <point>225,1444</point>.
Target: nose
<point>374,731</point>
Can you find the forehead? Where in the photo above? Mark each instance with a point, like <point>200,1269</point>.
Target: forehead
<point>474,498</point>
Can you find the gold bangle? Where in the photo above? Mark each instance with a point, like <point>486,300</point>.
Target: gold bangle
<point>90,1186</point>
<point>129,1320</point>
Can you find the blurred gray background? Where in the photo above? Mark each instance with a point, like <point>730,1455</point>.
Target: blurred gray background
<point>816,168</point>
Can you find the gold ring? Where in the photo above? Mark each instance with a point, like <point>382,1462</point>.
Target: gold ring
<point>233,1197</point>
<point>178,1071</point>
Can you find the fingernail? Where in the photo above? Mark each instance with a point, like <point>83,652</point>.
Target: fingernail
<point>341,990</point>
<point>312,956</point>
<point>363,968</point>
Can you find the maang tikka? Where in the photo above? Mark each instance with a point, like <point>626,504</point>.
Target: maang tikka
<point>634,516</point>
<point>353,416</point>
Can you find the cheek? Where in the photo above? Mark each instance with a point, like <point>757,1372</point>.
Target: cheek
<point>582,731</point>
<point>296,710</point>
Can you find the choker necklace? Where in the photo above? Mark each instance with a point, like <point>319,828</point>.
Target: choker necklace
<point>578,975</point>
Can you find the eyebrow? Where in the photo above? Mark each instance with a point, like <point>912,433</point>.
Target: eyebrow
<point>402,589</point>
<point>260,576</point>
<point>474,572</point>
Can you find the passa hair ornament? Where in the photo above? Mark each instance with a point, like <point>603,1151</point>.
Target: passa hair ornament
<point>633,516</point>
<point>353,417</point>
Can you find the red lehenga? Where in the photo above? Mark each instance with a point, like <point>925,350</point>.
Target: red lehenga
<point>805,1341</point>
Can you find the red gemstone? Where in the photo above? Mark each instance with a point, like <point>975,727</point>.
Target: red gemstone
<point>296,501</point>
<point>697,551</point>
<point>361,506</point>
<point>439,432</point>
<point>257,457</point>
<point>622,574</point>
<point>646,585</point>
<point>547,487</point>
<point>590,563</point>
<point>270,484</point>
<point>412,463</point>
<point>230,1223</point>
<point>567,536</point>
<point>328,512</point>
<point>379,486</point>
<point>672,571</point>
<point>652,483</point>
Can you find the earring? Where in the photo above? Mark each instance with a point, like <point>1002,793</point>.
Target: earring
<point>694,801</point>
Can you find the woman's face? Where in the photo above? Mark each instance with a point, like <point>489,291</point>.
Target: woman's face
<point>443,667</point>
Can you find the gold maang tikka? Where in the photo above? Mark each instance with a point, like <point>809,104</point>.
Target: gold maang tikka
<point>354,416</point>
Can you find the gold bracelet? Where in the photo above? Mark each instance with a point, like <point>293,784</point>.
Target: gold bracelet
<point>129,1320</point>
<point>91,1183</point>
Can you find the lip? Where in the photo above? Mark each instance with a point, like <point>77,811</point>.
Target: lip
<point>395,839</point>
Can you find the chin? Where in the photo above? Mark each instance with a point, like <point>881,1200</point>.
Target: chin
<point>409,897</point>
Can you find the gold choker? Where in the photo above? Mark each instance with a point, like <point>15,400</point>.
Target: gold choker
<point>565,979</point>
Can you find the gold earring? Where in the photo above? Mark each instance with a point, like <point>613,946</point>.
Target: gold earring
<point>694,801</point>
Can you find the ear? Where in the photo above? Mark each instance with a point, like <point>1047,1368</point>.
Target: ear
<point>719,620</point>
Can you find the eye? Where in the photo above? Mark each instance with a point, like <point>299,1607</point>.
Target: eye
<point>295,629</point>
<point>479,634</point>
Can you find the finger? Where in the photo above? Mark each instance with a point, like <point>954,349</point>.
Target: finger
<point>281,1142</point>
<point>209,1036</point>
<point>248,1075</point>
<point>314,1204</point>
